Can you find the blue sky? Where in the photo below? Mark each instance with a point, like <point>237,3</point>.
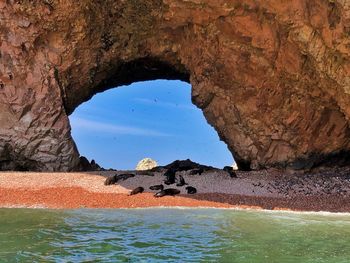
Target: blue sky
<point>155,119</point>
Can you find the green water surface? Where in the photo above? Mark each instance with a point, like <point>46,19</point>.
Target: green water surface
<point>172,235</point>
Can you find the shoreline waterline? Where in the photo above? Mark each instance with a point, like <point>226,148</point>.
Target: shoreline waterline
<point>197,208</point>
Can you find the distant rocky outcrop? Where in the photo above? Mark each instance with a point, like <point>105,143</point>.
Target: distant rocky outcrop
<point>272,77</point>
<point>146,164</point>
<point>85,165</point>
<point>234,166</point>
<point>185,165</point>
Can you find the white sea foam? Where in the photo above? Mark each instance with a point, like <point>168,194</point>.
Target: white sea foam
<point>322,213</point>
<point>319,213</point>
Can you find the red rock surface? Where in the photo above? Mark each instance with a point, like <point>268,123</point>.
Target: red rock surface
<point>76,197</point>
<point>272,77</point>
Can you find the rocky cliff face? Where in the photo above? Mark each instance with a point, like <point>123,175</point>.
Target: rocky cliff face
<point>272,77</point>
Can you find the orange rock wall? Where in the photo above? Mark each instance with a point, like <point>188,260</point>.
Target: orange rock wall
<point>272,77</point>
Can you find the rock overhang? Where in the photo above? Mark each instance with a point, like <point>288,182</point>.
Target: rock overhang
<point>272,78</point>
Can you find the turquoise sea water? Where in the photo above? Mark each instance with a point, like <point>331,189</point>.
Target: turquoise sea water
<point>172,235</point>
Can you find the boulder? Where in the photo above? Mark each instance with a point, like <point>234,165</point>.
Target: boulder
<point>234,166</point>
<point>146,164</point>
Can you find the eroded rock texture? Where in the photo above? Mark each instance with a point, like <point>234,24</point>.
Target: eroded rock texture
<point>271,76</point>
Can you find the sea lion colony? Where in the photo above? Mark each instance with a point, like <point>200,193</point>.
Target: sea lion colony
<point>169,171</point>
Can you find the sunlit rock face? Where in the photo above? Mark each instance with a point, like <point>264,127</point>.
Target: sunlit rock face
<point>272,77</point>
<point>146,164</point>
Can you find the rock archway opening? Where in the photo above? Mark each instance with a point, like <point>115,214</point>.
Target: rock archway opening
<point>155,119</point>
<point>255,68</point>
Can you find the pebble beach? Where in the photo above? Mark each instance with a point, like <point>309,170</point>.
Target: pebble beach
<point>323,191</point>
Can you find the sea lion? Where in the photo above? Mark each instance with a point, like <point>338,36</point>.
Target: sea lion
<point>191,190</point>
<point>230,171</point>
<point>111,180</point>
<point>196,171</point>
<point>157,187</point>
<point>125,176</point>
<point>115,178</point>
<point>170,176</point>
<point>169,191</point>
<point>148,173</point>
<point>137,190</point>
<point>182,181</point>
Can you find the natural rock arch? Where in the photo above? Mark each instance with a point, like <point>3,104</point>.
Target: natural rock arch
<point>272,77</point>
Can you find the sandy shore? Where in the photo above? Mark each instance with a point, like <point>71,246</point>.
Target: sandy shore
<point>326,191</point>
